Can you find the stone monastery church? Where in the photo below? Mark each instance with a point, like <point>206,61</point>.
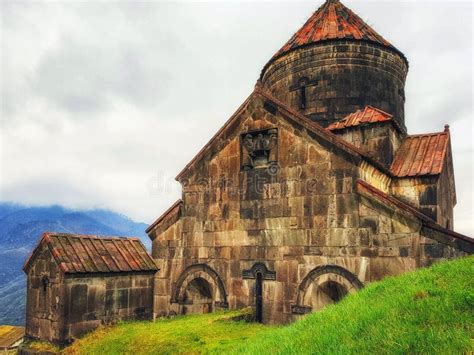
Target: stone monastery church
<point>312,189</point>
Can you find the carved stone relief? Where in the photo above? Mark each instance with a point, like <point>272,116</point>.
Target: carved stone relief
<point>259,148</point>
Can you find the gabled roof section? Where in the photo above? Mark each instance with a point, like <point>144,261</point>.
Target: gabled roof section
<point>437,232</point>
<point>333,21</point>
<point>92,254</point>
<point>421,155</point>
<point>171,213</point>
<point>291,115</point>
<point>369,114</point>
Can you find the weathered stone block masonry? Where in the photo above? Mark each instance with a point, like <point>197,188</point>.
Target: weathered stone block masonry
<point>76,283</point>
<point>310,190</point>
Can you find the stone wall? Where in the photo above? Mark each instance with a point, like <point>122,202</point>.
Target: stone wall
<point>338,78</point>
<point>292,236</point>
<point>44,298</point>
<point>92,300</point>
<point>378,140</point>
<point>433,195</point>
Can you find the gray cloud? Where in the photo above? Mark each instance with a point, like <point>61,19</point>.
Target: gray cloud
<point>83,77</point>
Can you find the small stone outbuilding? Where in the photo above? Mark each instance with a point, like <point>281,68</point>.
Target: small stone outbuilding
<point>78,282</point>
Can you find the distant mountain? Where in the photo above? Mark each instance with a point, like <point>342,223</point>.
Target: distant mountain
<point>20,230</point>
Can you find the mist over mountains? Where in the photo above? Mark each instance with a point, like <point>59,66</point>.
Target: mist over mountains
<point>20,230</point>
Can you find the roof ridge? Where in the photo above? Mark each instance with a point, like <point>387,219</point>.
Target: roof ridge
<point>88,236</point>
<point>329,136</point>
<point>427,134</point>
<point>369,114</point>
<point>380,110</point>
<point>78,253</point>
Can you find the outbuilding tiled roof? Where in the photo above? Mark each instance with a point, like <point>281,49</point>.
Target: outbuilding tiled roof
<point>10,336</point>
<point>92,254</point>
<point>368,115</point>
<point>420,155</point>
<point>333,21</point>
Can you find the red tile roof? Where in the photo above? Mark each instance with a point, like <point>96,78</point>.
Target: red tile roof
<point>85,253</point>
<point>333,21</point>
<point>420,155</point>
<point>368,115</point>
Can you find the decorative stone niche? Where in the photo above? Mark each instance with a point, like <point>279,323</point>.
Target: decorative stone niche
<point>259,149</point>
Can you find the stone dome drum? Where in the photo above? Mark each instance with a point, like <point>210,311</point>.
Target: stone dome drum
<point>336,64</point>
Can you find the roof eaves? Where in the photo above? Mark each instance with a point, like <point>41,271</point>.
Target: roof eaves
<point>218,133</point>
<point>466,244</point>
<point>291,114</point>
<point>163,216</point>
<point>324,42</point>
<point>30,258</point>
<point>363,186</point>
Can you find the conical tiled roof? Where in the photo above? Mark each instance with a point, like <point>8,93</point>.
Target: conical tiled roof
<point>333,21</point>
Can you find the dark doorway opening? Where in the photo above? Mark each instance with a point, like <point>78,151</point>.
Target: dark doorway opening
<point>259,298</point>
<point>333,291</point>
<point>198,297</point>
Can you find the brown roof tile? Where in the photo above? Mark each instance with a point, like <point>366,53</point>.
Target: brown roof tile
<point>86,253</point>
<point>333,21</point>
<point>368,115</point>
<point>10,335</point>
<point>420,155</point>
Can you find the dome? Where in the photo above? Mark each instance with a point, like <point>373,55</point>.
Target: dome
<point>336,64</point>
<point>333,21</point>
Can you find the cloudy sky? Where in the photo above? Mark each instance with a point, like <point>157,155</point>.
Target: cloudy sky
<point>104,102</point>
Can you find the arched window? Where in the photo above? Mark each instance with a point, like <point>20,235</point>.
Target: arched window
<point>303,84</point>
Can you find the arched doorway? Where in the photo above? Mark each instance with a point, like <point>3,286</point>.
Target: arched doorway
<point>259,272</point>
<point>321,294</point>
<point>198,297</point>
<point>324,285</point>
<point>199,289</point>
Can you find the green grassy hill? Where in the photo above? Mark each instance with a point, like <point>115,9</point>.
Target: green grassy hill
<point>427,311</point>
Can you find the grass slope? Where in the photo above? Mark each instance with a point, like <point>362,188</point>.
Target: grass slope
<point>214,332</point>
<point>427,311</point>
